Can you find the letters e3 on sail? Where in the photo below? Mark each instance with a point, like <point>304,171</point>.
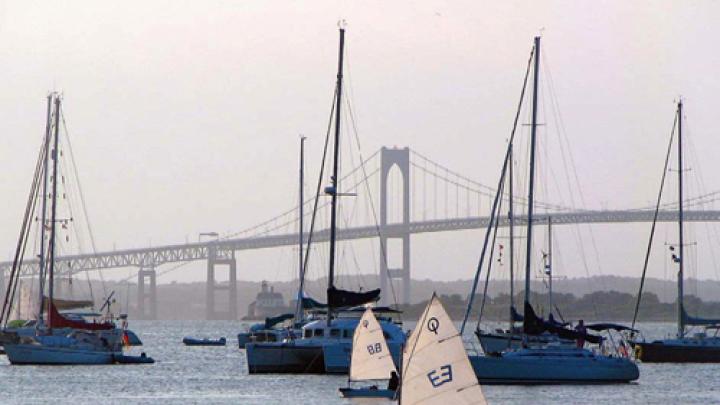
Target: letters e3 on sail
<point>440,376</point>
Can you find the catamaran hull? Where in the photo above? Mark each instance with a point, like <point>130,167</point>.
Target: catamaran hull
<point>298,359</point>
<point>284,358</point>
<point>32,354</point>
<point>537,371</point>
<point>658,352</point>
<point>337,357</point>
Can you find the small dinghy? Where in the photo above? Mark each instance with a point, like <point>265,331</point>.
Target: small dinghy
<point>203,342</point>
<point>367,392</point>
<point>370,359</point>
<point>127,359</point>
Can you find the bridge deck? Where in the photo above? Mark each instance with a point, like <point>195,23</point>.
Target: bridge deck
<point>160,255</point>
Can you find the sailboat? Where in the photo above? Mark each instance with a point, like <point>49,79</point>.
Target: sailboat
<point>546,364</point>
<point>370,360</point>
<point>683,348</point>
<point>325,344</point>
<point>57,339</point>
<point>500,340</point>
<point>435,368</point>
<point>267,331</point>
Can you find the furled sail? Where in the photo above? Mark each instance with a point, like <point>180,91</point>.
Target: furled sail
<point>691,320</point>
<point>534,325</point>
<point>371,358</point>
<point>340,298</point>
<point>57,320</point>
<point>436,368</point>
<point>310,303</point>
<point>70,304</point>
<point>272,321</point>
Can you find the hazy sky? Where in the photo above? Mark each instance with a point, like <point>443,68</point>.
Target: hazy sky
<point>184,116</point>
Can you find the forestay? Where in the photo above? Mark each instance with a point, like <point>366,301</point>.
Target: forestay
<point>436,369</point>
<point>371,359</point>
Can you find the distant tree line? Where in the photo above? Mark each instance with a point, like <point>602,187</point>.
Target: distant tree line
<point>596,306</point>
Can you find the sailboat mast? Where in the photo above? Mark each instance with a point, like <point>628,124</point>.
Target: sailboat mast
<point>43,207</point>
<point>53,215</point>
<point>511,224</point>
<point>681,247</point>
<point>531,188</point>
<point>549,269</point>
<point>301,221</point>
<point>335,179</point>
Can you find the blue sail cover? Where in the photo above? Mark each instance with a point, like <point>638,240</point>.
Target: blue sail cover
<point>309,303</point>
<point>272,321</point>
<point>515,316</point>
<point>534,325</point>
<point>691,320</point>
<point>606,326</point>
<point>340,298</point>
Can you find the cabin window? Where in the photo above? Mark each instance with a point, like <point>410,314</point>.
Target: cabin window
<point>348,333</point>
<point>318,332</point>
<point>308,333</point>
<point>335,333</point>
<point>271,337</point>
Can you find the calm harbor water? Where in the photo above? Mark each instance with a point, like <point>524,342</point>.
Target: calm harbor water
<point>219,375</point>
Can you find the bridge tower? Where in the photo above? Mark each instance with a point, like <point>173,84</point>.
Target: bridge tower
<point>147,294</point>
<point>401,159</point>
<point>216,258</point>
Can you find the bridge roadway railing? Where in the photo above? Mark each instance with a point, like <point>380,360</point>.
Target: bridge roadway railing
<point>160,255</point>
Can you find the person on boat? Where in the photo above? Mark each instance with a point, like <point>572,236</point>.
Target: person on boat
<point>582,331</point>
<point>394,381</point>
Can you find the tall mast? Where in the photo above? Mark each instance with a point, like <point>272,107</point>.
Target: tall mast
<point>531,188</point>
<point>681,255</point>
<point>301,221</point>
<point>43,205</point>
<point>511,224</point>
<point>53,216</point>
<point>549,268</point>
<point>334,188</point>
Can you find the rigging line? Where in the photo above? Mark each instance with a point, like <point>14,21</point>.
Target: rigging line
<point>652,229</point>
<point>292,220</point>
<point>317,200</point>
<point>490,262</point>
<point>494,211</point>
<point>24,230</point>
<point>378,231</point>
<point>83,205</point>
<point>291,210</point>
<point>562,132</point>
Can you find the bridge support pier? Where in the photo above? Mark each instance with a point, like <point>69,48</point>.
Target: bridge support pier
<point>212,287</point>
<point>147,294</point>
<point>401,159</point>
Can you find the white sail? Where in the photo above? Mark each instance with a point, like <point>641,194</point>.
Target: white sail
<point>436,369</point>
<point>371,358</point>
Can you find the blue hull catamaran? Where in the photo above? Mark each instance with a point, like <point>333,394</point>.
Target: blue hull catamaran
<point>539,364</point>
<point>325,344</point>
<point>56,338</point>
<point>684,347</point>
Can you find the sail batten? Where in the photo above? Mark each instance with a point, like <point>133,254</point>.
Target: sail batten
<point>436,368</point>
<point>371,358</point>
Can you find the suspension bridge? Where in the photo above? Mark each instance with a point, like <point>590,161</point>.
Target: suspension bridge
<point>421,196</point>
